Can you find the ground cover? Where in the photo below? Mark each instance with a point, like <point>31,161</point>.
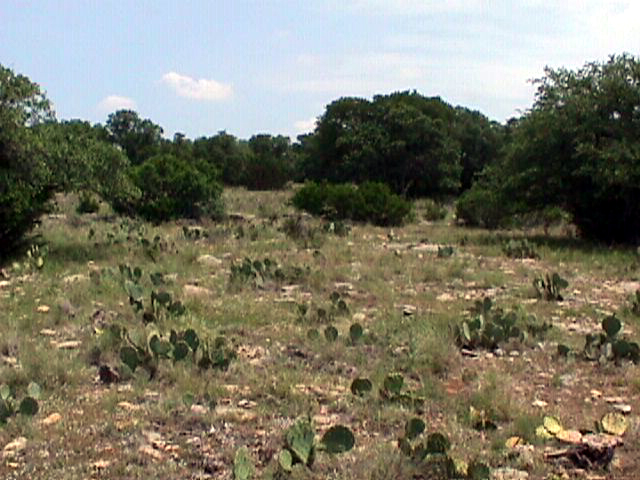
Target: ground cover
<point>189,350</point>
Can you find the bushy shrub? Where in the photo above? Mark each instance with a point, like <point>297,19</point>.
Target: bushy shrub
<point>87,203</point>
<point>370,202</point>
<point>433,211</point>
<point>172,188</point>
<point>25,175</point>
<point>481,207</point>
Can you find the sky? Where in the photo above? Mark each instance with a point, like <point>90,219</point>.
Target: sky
<point>247,66</point>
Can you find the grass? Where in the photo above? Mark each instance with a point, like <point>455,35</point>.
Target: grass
<point>279,373</point>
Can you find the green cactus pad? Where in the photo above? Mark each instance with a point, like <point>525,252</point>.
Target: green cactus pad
<point>338,439</point>
<point>29,406</point>
<point>414,428</point>
<point>361,386</point>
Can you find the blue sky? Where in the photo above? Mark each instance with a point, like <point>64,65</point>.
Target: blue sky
<point>249,66</point>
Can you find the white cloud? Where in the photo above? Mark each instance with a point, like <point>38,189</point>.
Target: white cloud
<point>305,126</point>
<point>197,89</point>
<point>406,7</point>
<point>116,102</point>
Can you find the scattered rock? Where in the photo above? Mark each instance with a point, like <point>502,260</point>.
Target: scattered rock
<point>359,317</point>
<point>75,278</point>
<point>235,414</point>
<point>129,406</point>
<point>51,419</point>
<point>43,309</point>
<point>408,310</point>
<point>199,409</point>
<point>4,283</point>
<point>445,297</point>
<point>101,465</point>
<point>47,332</point>
<point>209,261</point>
<point>622,407</point>
<point>68,345</point>
<point>14,447</point>
<point>151,452</point>
<point>196,291</point>
<point>539,403</point>
<point>507,473</point>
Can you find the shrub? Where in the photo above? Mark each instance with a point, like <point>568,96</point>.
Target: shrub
<point>87,203</point>
<point>480,207</point>
<point>433,211</point>
<point>25,176</point>
<point>172,187</point>
<point>370,202</point>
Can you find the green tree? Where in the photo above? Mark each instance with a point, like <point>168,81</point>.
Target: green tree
<point>225,153</point>
<point>270,165</point>
<point>25,177</point>
<point>578,148</point>
<point>403,139</point>
<point>172,187</point>
<point>140,139</point>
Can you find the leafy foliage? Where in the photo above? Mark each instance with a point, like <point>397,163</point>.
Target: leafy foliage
<point>577,149</point>
<point>172,187</point>
<point>370,202</point>
<point>607,345</point>
<point>489,327</point>
<point>549,286</point>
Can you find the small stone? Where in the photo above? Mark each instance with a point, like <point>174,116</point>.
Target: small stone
<point>47,332</point>
<point>149,451</point>
<point>14,447</point>
<point>43,308</point>
<point>4,283</point>
<point>596,393</point>
<point>198,409</point>
<point>539,403</point>
<point>359,317</point>
<point>623,408</point>
<point>507,473</point>
<point>196,291</point>
<point>209,260</point>
<point>75,278</point>
<point>68,345</point>
<point>408,310</point>
<point>100,464</point>
<point>51,419</point>
<point>129,406</point>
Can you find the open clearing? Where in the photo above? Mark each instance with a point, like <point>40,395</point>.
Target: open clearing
<point>181,421</point>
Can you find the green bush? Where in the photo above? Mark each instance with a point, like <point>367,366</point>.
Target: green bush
<point>433,211</point>
<point>370,202</point>
<point>87,203</point>
<point>172,187</point>
<point>25,175</point>
<point>481,207</point>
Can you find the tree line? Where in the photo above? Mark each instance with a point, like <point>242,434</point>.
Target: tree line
<point>577,149</point>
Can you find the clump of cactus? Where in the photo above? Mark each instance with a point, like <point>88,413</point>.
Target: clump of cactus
<point>326,313</point>
<point>548,287</point>
<point>9,405</point>
<point>160,303</point>
<point>300,446</point>
<point>194,233</point>
<point>446,251</point>
<point>175,347</point>
<point>258,272</point>
<point>521,248</point>
<point>488,328</point>
<point>392,391</point>
<point>635,303</point>
<point>607,345</point>
<point>430,452</point>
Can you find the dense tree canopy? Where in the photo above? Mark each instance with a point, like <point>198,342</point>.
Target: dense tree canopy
<point>577,148</point>
<point>417,145</point>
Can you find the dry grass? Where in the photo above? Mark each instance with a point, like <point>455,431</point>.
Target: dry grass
<point>406,296</point>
